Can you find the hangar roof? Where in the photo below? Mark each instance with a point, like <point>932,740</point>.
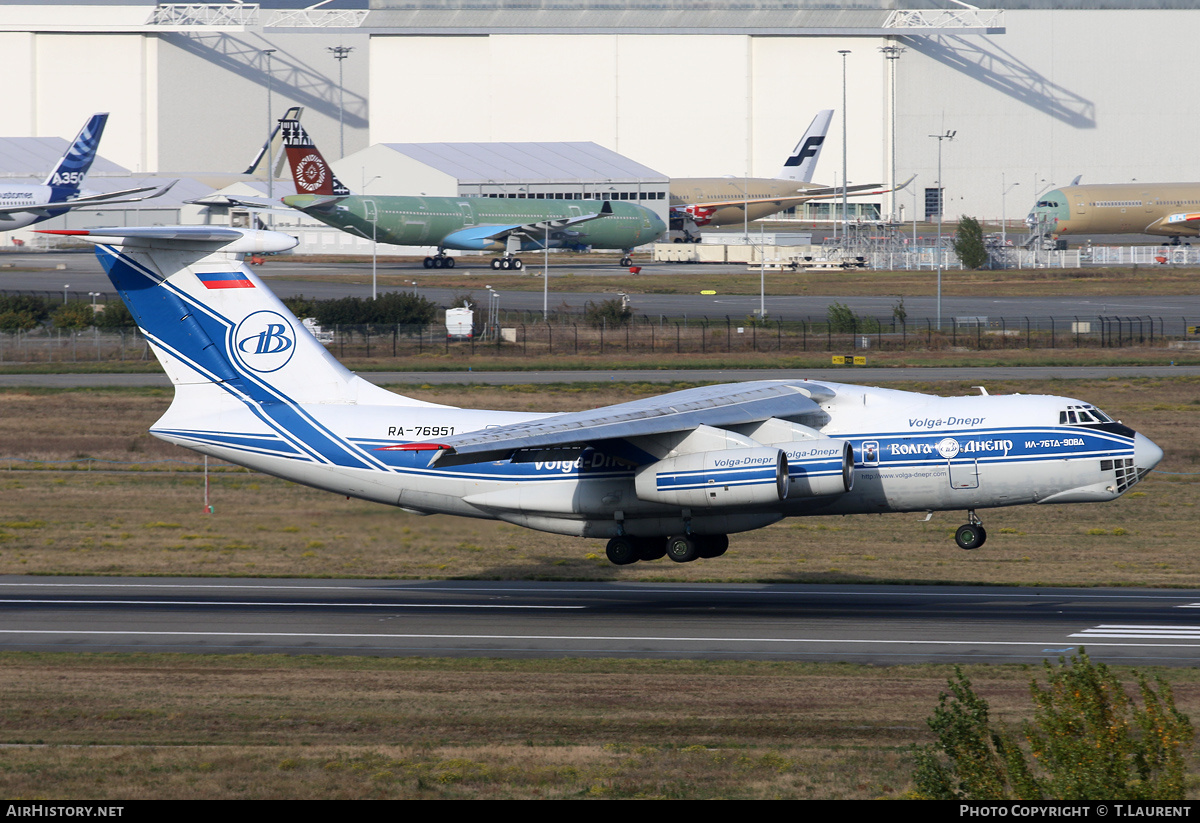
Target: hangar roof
<point>483,162</point>
<point>34,157</point>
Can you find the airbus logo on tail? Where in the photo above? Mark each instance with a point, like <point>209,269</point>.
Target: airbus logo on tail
<point>264,342</point>
<point>810,148</point>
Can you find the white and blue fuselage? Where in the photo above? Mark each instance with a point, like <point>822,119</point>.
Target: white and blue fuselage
<point>255,388</point>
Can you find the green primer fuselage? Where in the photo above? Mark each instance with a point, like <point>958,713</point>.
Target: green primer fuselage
<point>461,222</point>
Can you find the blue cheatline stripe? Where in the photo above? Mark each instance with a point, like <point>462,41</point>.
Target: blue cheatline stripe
<point>186,328</point>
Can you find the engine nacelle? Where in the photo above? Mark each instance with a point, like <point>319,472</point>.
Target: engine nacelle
<point>820,467</point>
<point>728,477</point>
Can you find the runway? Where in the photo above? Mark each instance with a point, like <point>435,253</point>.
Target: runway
<point>855,623</point>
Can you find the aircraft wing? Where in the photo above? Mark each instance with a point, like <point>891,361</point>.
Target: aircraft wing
<point>482,234</point>
<point>866,188</point>
<point>1177,224</point>
<point>107,199</point>
<point>722,405</point>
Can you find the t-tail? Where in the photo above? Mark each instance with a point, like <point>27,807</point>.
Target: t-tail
<point>68,175</point>
<point>802,163</point>
<point>309,169</point>
<point>244,368</point>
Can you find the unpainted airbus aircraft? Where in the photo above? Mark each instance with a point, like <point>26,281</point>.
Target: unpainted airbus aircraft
<point>24,205</point>
<point>672,475</point>
<point>707,202</point>
<point>1162,209</point>
<point>463,223</point>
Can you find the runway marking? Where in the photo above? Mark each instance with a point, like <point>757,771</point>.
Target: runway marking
<point>1147,632</point>
<point>417,589</point>
<point>14,601</point>
<point>589,638</point>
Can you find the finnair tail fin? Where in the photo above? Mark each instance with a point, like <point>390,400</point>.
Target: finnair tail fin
<point>309,169</point>
<point>213,323</point>
<point>802,162</point>
<point>73,167</point>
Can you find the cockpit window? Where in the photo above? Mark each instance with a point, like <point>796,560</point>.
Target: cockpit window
<point>1082,415</point>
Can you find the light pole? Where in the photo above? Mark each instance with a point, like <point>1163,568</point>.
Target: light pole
<point>949,135</point>
<point>892,53</point>
<point>845,228</point>
<point>370,212</point>
<point>340,53</point>
<point>1004,214</point>
<point>270,129</point>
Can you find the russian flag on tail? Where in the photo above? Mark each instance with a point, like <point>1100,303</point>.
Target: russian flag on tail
<point>225,280</point>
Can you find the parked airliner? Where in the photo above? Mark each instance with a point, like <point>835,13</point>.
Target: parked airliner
<point>463,223</point>
<point>671,475</point>
<point>24,205</point>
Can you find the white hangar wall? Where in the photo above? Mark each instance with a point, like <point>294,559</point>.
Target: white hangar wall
<point>685,105</point>
<point>1061,93</point>
<point>56,80</point>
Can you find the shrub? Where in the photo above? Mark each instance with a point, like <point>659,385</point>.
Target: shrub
<point>969,245</point>
<point>1087,741</point>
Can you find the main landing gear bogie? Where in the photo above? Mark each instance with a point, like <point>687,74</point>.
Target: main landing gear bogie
<point>439,261</point>
<point>507,263</point>
<point>682,548</point>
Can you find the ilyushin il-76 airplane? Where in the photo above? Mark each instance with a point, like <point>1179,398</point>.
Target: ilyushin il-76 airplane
<point>672,475</point>
<point>24,205</point>
<point>463,223</point>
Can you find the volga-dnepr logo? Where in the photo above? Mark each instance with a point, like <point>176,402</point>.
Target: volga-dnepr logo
<point>264,342</point>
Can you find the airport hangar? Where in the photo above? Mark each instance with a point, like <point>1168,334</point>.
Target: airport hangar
<point>1035,95</point>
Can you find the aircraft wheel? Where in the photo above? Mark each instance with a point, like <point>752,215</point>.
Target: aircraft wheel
<point>712,545</point>
<point>677,240</point>
<point>496,261</point>
<point>970,536</point>
<point>448,262</point>
<point>626,261</point>
<point>429,262</point>
<point>650,548</point>
<point>621,551</point>
<point>517,264</point>
<point>682,549</point>
<point>506,264</point>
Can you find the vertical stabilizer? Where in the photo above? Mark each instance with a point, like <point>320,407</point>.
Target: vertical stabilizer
<point>271,152</point>
<point>802,163</point>
<point>68,175</point>
<point>309,169</point>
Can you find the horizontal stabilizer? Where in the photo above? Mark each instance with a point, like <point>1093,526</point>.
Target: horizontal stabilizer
<point>205,238</point>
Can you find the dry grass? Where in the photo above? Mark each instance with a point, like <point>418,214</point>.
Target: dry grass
<point>125,727</point>
<point>153,523</point>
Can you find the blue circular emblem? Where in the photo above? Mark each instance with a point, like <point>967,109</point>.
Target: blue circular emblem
<point>264,341</point>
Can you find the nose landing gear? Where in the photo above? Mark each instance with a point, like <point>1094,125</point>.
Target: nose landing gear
<point>972,534</point>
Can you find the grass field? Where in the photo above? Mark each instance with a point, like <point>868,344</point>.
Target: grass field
<point>124,727</point>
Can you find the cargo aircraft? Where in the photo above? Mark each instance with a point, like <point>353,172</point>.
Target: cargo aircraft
<point>1162,209</point>
<point>708,202</point>
<point>463,223</point>
<point>672,475</point>
<point>22,205</point>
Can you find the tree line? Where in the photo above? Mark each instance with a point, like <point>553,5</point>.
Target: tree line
<point>27,312</point>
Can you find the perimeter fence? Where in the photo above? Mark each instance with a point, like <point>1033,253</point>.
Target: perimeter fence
<point>522,334</point>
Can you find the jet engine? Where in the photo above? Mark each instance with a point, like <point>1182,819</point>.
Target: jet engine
<point>728,477</point>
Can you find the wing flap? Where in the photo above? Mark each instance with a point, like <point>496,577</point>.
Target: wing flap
<point>723,405</point>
